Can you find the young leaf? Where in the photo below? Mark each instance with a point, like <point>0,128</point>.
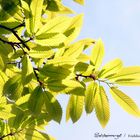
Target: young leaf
<point>110,68</point>
<point>41,54</point>
<point>57,7</point>
<point>13,88</point>
<point>75,107</point>
<point>3,79</point>
<point>55,25</point>
<point>33,134</point>
<point>28,16</point>
<point>27,70</point>
<point>80,1</point>
<point>125,102</point>
<point>36,101</point>
<point>74,29</point>
<point>75,49</point>
<point>97,54</point>
<point>50,40</point>
<point>130,75</point>
<point>52,106</point>
<point>63,61</point>
<point>65,86</point>
<point>36,10</point>
<point>89,97</point>
<point>102,106</point>
<point>54,72</point>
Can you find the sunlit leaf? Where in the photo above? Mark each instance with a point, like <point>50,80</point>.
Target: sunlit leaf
<point>36,10</point>
<point>90,96</point>
<point>49,40</point>
<point>75,107</point>
<point>13,87</point>
<point>3,79</point>
<point>57,7</point>
<point>54,72</point>
<point>27,69</point>
<point>102,106</point>
<point>74,29</point>
<point>55,25</point>
<point>110,68</point>
<point>97,54</point>
<point>125,102</point>
<point>36,101</point>
<point>52,106</point>
<point>80,1</point>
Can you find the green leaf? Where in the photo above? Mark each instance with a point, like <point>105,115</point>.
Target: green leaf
<point>84,68</point>
<point>5,111</point>
<point>54,72</point>
<point>102,106</point>
<point>11,9</point>
<point>28,17</point>
<point>125,102</point>
<point>31,134</point>
<point>110,68</point>
<point>58,7</point>
<point>56,25</point>
<point>27,70</point>
<point>63,61</point>
<point>80,1</point>
<point>3,79</point>
<point>41,54</point>
<point>13,88</point>
<point>130,75</point>
<point>65,86</point>
<point>16,121</point>
<point>49,40</point>
<point>97,54</point>
<point>75,107</point>
<point>74,29</point>
<point>36,101</point>
<point>52,106</point>
<point>36,10</point>
<point>83,58</point>
<point>90,96</point>
<point>74,50</point>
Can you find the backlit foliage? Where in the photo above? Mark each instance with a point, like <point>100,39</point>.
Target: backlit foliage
<point>40,59</point>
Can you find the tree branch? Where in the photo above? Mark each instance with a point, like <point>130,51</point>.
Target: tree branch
<point>16,35</point>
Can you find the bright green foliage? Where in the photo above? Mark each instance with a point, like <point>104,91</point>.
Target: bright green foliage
<point>39,59</point>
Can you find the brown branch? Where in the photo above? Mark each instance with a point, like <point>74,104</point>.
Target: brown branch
<point>10,134</point>
<point>89,76</point>
<point>16,35</point>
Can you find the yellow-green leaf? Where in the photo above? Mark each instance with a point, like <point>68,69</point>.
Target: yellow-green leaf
<point>51,41</point>
<point>3,79</point>
<point>53,107</point>
<point>102,106</point>
<point>125,102</point>
<point>28,16</point>
<point>27,70</point>
<point>36,101</point>
<point>55,25</point>
<point>57,7</point>
<point>75,107</point>
<point>97,54</point>
<point>80,1</point>
<point>110,68</point>
<point>89,97</point>
<point>127,76</point>
<point>36,10</point>
<point>74,29</point>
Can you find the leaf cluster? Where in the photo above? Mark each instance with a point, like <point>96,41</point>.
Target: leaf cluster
<point>40,59</point>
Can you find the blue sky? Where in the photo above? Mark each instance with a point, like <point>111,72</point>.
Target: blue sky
<point>117,22</point>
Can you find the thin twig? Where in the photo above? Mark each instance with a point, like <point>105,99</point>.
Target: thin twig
<point>16,35</point>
